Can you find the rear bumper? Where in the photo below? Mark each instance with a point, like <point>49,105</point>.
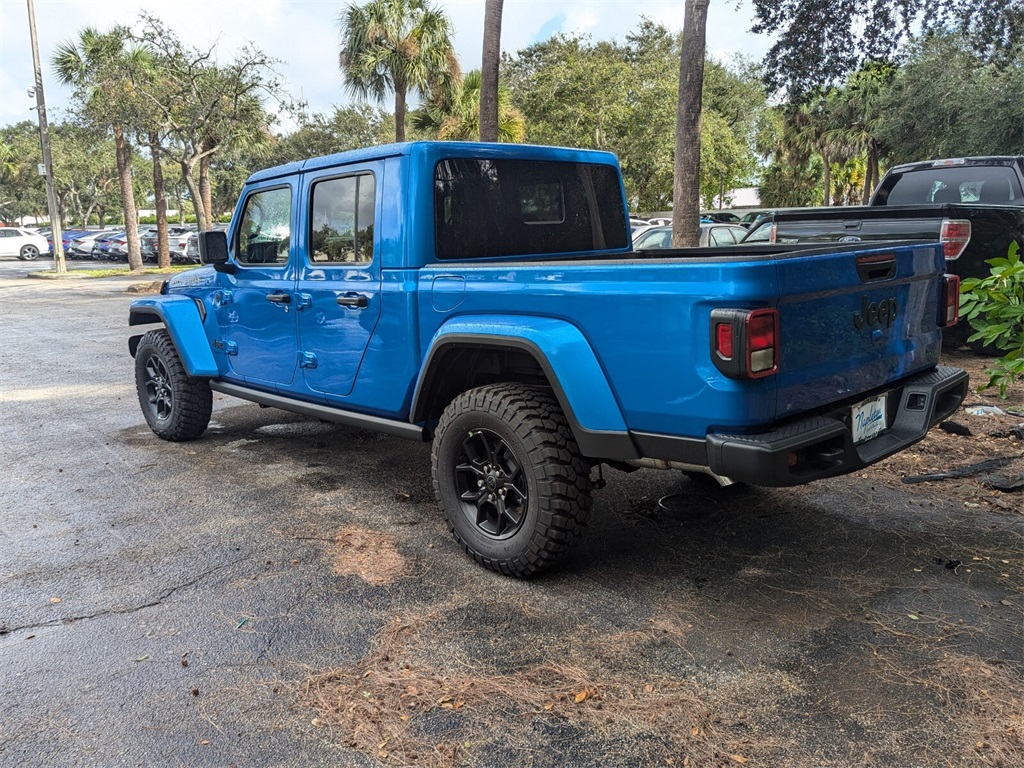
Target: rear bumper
<point>822,446</point>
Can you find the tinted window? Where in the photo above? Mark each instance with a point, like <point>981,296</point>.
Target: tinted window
<point>990,184</point>
<point>263,235</point>
<point>342,221</point>
<point>520,208</point>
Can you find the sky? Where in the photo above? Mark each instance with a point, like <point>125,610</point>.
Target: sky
<point>303,35</point>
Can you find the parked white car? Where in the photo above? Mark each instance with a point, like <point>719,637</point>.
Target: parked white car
<point>26,245</point>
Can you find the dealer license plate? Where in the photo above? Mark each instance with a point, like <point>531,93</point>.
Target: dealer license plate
<point>868,419</point>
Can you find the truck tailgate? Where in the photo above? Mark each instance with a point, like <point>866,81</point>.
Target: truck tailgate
<point>851,323</point>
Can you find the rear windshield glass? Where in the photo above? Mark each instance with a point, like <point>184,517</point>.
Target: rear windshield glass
<point>986,184</point>
<point>520,208</point>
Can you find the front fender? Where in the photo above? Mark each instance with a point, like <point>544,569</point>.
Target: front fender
<point>567,359</point>
<point>180,316</point>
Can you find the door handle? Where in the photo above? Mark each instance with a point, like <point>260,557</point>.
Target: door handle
<point>279,298</point>
<point>352,300</point>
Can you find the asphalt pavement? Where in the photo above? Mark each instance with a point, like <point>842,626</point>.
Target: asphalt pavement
<point>176,604</point>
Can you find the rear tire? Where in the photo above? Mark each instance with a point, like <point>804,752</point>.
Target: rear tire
<point>28,253</point>
<point>177,406</point>
<point>510,479</point>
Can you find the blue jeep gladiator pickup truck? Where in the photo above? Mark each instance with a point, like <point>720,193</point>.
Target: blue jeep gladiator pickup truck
<point>486,297</point>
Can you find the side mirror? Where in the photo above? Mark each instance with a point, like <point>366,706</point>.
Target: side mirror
<point>213,249</point>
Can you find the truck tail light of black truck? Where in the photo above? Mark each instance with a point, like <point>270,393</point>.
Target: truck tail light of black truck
<point>954,236</point>
<point>744,342</point>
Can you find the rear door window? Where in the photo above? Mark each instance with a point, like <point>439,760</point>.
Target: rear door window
<point>342,220</point>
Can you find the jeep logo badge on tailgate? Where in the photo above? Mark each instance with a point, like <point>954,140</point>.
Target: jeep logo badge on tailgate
<point>882,313</point>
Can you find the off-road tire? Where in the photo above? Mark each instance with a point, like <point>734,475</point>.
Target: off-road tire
<point>28,253</point>
<point>177,406</point>
<point>523,451</point>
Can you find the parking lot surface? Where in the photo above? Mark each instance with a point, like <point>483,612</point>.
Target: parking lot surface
<point>283,592</point>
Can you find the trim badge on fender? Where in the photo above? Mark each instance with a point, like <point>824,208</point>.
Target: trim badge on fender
<point>882,313</point>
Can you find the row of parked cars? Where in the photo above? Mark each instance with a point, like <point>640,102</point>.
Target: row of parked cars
<point>28,244</point>
<point>104,245</point>
<point>717,228</point>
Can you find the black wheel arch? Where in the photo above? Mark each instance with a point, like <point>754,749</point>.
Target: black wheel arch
<point>143,316</point>
<point>461,362</point>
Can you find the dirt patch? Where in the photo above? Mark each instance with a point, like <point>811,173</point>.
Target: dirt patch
<point>992,435</point>
<point>369,555</point>
<point>991,701</point>
<point>394,706</point>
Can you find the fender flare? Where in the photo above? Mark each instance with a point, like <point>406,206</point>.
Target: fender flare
<point>568,361</point>
<point>180,315</point>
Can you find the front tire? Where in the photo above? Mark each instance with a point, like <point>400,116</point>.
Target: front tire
<point>510,479</point>
<point>177,406</point>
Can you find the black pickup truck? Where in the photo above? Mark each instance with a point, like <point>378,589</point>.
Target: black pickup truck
<point>973,205</point>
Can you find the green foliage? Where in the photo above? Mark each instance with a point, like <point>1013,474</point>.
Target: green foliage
<point>622,98</point>
<point>819,42</point>
<point>994,306</point>
<point>23,190</point>
<point>319,134</point>
<point>400,47</point>
<point>946,101</point>
<point>791,185</point>
<point>457,117</point>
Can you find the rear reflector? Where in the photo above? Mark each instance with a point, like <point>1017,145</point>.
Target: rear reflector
<point>723,342</point>
<point>954,236</point>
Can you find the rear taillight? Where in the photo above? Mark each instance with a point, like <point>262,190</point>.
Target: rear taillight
<point>744,342</point>
<point>954,236</point>
<point>950,307</point>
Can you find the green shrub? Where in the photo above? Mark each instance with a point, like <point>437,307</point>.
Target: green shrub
<point>994,306</point>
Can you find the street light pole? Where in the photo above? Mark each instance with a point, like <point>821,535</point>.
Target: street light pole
<point>59,265</point>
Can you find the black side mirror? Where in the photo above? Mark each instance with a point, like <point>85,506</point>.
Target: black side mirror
<point>213,249</point>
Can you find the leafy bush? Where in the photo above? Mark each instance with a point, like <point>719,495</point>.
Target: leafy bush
<point>994,306</point>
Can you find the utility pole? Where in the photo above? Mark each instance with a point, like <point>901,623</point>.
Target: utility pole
<point>59,265</point>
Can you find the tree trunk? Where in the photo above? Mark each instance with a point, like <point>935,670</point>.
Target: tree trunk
<point>206,189</point>
<point>872,170</point>
<point>123,153</point>
<point>489,71</point>
<point>827,181</point>
<point>189,177</point>
<point>399,113</point>
<point>163,252</point>
<point>686,186</point>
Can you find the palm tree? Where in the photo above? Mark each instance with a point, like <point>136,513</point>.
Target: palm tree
<point>457,118</point>
<point>489,94</point>
<point>686,181</point>
<point>397,46</point>
<point>101,69</point>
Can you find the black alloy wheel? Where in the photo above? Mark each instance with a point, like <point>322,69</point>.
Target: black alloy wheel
<point>510,478</point>
<point>176,406</point>
<point>491,484</point>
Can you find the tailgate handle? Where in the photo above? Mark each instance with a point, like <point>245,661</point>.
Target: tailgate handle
<point>876,267</point>
<point>852,224</point>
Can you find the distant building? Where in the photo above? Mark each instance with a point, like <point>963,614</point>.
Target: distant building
<point>743,197</point>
